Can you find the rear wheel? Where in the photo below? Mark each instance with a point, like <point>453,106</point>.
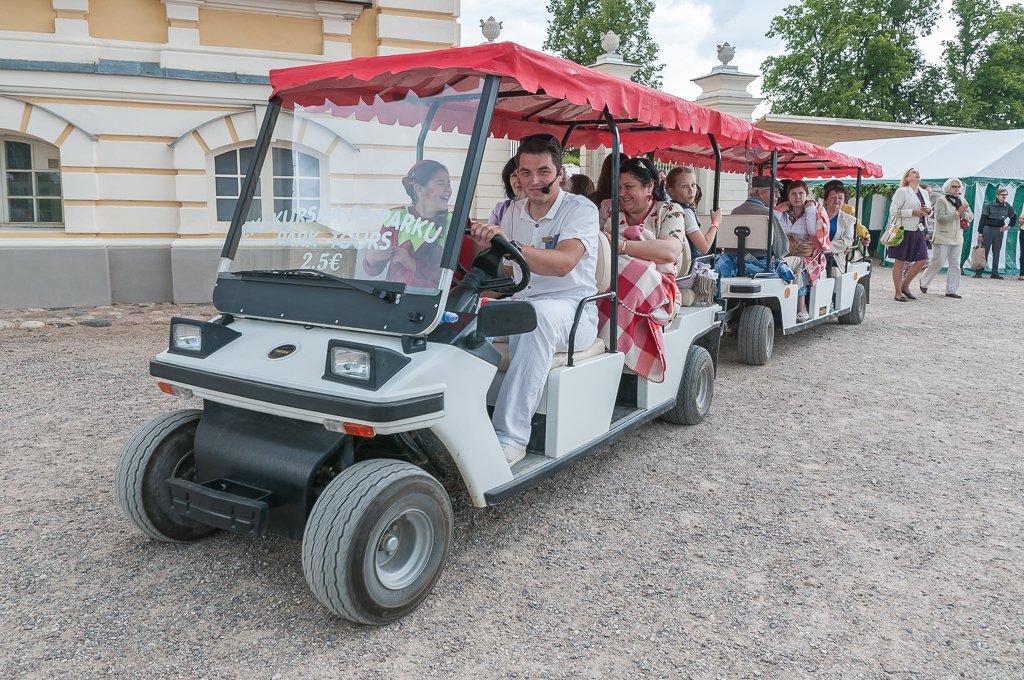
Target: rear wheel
<point>377,541</point>
<point>855,316</point>
<point>755,337</point>
<point>696,389</point>
<point>160,449</point>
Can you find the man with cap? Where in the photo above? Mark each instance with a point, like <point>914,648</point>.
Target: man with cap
<point>760,200</point>
<point>996,218</point>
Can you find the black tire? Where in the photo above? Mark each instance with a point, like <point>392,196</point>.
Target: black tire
<point>696,389</point>
<point>855,316</point>
<point>160,449</point>
<point>377,541</point>
<point>755,337</point>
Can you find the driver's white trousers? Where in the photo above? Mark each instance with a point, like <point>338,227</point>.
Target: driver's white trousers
<point>530,357</point>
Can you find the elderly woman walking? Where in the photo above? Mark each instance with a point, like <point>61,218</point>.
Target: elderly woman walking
<point>952,217</point>
<point>910,206</point>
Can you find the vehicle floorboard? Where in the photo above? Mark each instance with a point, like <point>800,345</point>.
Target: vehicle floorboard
<point>535,468</point>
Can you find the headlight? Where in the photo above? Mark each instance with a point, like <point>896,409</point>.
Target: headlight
<point>364,366</point>
<point>187,337</point>
<point>353,364</point>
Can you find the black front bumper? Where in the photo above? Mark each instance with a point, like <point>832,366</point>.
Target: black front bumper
<point>255,473</point>
<point>343,407</point>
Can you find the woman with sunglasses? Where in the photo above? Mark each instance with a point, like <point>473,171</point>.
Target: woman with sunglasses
<point>952,217</point>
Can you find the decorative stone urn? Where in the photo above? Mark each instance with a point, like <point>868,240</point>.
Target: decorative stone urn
<point>490,28</point>
<point>610,42</point>
<point>725,53</point>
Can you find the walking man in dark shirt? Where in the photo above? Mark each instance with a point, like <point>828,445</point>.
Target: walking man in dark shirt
<point>996,218</point>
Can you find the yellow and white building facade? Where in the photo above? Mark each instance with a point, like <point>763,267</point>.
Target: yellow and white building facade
<point>125,126</point>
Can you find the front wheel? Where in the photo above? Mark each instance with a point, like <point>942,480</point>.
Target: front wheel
<point>377,540</point>
<point>755,337</point>
<point>161,449</point>
<point>696,389</point>
<point>855,316</point>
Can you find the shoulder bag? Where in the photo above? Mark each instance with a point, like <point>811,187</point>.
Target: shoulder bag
<point>893,236</point>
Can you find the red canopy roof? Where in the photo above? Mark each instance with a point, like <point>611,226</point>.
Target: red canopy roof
<point>541,93</point>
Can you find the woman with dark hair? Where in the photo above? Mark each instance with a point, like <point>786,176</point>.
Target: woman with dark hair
<point>603,192</point>
<point>581,184</point>
<point>805,226</point>
<point>510,179</point>
<point>651,241</point>
<point>412,238</point>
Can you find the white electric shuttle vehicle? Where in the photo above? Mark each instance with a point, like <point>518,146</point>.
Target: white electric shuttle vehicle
<point>342,408</point>
<point>758,302</point>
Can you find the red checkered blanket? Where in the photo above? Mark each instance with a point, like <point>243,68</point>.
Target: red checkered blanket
<point>647,302</point>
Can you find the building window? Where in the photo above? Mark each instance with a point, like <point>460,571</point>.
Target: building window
<point>292,176</point>
<point>31,188</point>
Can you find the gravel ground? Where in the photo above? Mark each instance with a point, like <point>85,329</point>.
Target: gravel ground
<point>853,509</point>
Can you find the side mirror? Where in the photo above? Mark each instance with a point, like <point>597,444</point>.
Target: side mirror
<point>512,317</point>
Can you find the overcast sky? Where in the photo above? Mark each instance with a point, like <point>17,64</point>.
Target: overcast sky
<point>687,32</point>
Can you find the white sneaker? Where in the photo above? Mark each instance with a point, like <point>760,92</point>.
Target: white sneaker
<point>802,316</point>
<point>513,452</point>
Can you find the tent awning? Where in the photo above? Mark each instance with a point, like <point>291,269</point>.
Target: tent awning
<point>991,154</point>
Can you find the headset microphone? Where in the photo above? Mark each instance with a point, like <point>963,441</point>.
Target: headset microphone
<point>547,189</point>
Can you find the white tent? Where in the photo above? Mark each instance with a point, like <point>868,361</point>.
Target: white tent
<point>983,160</point>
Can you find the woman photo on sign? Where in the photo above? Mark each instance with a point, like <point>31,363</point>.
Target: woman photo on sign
<point>412,238</point>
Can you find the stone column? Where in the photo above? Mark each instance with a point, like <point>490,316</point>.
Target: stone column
<point>725,90</point>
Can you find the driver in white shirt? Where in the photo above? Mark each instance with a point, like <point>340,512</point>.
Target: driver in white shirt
<point>557,233</point>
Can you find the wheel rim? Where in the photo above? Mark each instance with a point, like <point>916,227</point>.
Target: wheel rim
<point>403,549</point>
<point>703,388</point>
<point>769,337</point>
<point>185,468</point>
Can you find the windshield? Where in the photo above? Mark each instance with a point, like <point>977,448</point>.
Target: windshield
<point>362,190</point>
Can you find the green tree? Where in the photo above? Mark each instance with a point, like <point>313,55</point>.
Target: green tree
<point>984,78</point>
<point>575,28</point>
<point>853,60</point>
<point>958,99</point>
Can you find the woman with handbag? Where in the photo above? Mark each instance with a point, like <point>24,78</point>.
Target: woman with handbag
<point>952,217</point>
<point>910,207</point>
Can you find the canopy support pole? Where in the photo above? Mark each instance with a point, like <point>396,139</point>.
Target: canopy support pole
<point>771,208</point>
<point>568,133</point>
<point>252,179</point>
<point>856,200</point>
<point>428,120</point>
<point>716,194</point>
<point>613,316</point>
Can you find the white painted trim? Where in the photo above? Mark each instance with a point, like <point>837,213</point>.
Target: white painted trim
<point>305,9</point>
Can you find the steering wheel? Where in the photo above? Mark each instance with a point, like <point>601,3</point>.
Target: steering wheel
<point>488,269</point>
